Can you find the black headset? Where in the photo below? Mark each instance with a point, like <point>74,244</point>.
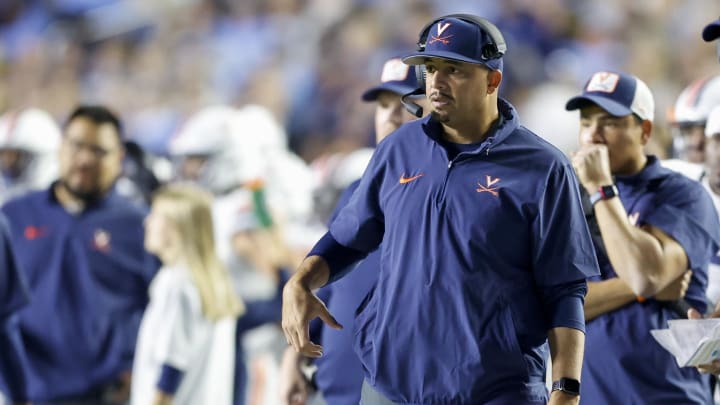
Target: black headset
<point>493,50</point>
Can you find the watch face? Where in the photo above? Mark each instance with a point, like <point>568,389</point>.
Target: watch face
<point>609,191</point>
<point>572,386</point>
<point>567,385</point>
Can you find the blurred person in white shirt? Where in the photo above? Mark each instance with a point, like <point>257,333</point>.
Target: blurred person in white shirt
<point>186,341</point>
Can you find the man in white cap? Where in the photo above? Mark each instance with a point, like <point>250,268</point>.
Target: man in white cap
<point>655,224</point>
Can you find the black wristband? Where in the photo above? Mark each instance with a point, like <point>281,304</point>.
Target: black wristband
<point>569,386</point>
<point>604,193</point>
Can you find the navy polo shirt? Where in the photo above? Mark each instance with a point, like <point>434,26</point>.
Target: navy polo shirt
<point>88,276</point>
<point>477,251</point>
<point>623,363</point>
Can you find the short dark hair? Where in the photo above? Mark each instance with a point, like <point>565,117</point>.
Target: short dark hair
<point>98,115</point>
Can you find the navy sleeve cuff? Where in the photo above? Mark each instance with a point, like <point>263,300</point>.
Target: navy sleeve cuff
<point>170,378</point>
<point>564,305</point>
<point>338,257</point>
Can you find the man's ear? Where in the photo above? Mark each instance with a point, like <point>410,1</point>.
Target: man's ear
<point>494,79</point>
<point>646,131</point>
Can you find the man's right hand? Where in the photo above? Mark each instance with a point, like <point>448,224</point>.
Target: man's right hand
<point>300,306</point>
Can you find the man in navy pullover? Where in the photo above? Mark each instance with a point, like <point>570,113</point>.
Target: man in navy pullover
<point>484,253</point>
<point>81,246</point>
<point>655,224</point>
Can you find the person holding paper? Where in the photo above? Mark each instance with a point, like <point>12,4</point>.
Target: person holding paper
<point>655,225</point>
<point>714,367</point>
<point>712,164</point>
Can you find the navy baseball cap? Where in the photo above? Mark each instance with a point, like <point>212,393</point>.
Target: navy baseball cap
<point>396,77</point>
<point>619,94</point>
<point>712,31</point>
<point>458,40</point>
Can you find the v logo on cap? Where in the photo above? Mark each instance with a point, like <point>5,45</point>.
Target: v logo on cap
<point>442,27</point>
<point>603,81</point>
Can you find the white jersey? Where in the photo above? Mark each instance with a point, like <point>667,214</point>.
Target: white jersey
<point>693,171</point>
<point>233,213</point>
<point>174,331</point>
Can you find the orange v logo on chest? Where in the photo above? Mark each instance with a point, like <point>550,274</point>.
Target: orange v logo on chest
<point>489,186</point>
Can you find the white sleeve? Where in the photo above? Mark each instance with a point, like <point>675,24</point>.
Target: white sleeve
<point>713,289</point>
<point>184,323</point>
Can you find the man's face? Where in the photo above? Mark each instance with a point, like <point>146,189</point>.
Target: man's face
<point>90,158</point>
<point>693,137</point>
<point>624,137</point>
<point>712,162</point>
<point>389,114</point>
<point>456,91</point>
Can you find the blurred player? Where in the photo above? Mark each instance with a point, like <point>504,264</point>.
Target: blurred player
<point>29,140</point>
<point>688,126</point>
<point>239,155</point>
<point>339,374</point>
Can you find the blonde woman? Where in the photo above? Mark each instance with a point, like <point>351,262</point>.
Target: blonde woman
<point>186,344</point>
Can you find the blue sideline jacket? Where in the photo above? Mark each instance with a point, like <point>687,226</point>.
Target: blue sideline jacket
<point>88,276</point>
<point>623,362</point>
<point>481,256</point>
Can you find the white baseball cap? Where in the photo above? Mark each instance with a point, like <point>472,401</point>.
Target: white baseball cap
<point>617,93</point>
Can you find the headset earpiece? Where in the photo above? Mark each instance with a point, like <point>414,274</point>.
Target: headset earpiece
<point>490,51</point>
<point>420,75</point>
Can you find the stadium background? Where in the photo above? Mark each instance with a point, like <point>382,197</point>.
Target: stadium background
<point>157,62</point>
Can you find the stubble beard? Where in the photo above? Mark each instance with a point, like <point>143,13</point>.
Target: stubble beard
<point>443,119</point>
<point>83,195</point>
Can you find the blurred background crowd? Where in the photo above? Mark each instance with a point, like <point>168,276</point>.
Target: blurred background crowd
<point>308,61</point>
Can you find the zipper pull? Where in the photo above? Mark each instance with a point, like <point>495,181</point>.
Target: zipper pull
<point>450,164</point>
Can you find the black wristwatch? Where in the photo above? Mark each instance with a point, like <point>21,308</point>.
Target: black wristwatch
<point>569,386</point>
<point>604,193</point>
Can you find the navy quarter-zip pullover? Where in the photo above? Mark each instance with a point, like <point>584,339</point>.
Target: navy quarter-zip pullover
<point>481,255</point>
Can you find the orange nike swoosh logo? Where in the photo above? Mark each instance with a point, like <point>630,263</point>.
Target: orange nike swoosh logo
<point>34,232</point>
<point>404,179</point>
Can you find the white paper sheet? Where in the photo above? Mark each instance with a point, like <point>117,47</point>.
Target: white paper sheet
<point>692,342</point>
